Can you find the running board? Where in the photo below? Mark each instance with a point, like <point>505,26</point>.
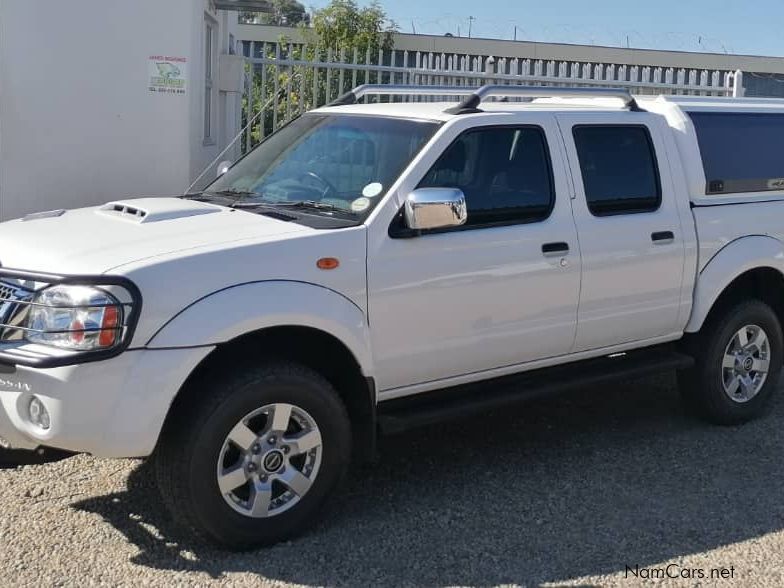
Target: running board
<point>395,416</point>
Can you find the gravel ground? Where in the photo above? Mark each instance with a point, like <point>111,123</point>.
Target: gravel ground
<point>568,490</point>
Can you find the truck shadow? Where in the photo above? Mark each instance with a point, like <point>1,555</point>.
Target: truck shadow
<point>558,489</point>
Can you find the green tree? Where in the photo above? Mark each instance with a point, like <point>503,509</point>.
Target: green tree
<point>342,25</point>
<point>337,31</point>
<point>286,13</point>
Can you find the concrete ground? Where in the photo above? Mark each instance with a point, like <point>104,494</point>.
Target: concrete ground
<point>580,489</point>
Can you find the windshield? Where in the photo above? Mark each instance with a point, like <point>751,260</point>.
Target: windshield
<point>339,165</point>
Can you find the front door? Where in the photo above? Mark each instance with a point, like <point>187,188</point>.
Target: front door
<point>498,292</point>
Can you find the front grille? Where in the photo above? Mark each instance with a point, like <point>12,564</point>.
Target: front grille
<point>12,313</point>
<point>7,292</point>
<point>13,292</point>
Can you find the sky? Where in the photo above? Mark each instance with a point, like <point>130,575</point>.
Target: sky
<point>754,27</point>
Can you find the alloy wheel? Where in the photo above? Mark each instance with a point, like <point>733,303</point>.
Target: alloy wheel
<point>269,460</point>
<point>746,363</point>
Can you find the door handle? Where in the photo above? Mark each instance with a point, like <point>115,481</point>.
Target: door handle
<point>663,237</point>
<point>556,248</point>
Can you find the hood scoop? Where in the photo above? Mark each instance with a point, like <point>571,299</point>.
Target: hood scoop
<point>153,210</point>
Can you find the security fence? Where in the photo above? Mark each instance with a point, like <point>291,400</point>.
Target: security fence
<point>286,79</point>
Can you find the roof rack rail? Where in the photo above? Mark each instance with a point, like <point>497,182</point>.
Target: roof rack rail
<point>353,96</point>
<point>476,95</point>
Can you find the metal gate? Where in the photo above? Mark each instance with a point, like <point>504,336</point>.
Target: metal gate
<point>284,80</point>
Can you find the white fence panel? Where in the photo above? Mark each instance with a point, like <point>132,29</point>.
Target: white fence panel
<point>285,79</point>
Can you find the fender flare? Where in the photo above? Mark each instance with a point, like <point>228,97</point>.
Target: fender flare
<point>730,262</point>
<point>238,310</point>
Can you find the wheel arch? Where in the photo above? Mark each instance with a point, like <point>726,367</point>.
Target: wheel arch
<point>294,321</point>
<point>748,267</point>
<point>313,348</point>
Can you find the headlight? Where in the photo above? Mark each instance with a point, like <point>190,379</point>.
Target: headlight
<point>78,318</point>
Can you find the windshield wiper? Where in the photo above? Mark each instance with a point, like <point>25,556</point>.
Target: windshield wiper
<point>227,197</point>
<point>236,192</point>
<point>251,204</point>
<point>234,198</point>
<point>212,198</point>
<point>314,205</point>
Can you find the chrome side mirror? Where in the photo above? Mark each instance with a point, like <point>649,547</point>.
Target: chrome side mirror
<point>435,208</point>
<point>223,167</point>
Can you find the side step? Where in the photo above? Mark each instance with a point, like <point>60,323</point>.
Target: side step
<point>395,416</point>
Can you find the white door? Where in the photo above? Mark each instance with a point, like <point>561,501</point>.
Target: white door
<point>631,240</point>
<point>501,290</point>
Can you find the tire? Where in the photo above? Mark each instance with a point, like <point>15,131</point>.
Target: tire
<point>203,441</point>
<point>727,395</point>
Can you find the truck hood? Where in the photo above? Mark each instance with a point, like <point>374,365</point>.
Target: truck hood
<point>95,240</point>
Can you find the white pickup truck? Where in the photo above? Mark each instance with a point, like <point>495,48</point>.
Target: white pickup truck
<point>374,267</point>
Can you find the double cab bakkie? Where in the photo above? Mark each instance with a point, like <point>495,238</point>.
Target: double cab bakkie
<point>378,265</point>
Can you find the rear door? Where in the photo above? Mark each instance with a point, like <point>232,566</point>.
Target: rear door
<point>631,239</point>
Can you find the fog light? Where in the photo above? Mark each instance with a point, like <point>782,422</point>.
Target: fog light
<point>39,416</point>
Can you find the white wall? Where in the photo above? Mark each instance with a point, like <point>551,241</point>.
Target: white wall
<point>78,124</point>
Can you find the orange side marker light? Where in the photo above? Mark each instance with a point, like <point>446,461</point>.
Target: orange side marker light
<point>328,263</point>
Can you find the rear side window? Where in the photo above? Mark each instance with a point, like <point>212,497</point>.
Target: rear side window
<point>504,172</point>
<point>741,152</point>
<point>619,169</point>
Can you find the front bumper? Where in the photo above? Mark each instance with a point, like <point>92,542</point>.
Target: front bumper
<point>110,408</point>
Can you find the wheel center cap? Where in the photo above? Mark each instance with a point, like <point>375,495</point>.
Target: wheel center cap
<point>273,461</point>
<point>748,363</point>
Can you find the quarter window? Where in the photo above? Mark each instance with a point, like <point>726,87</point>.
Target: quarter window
<point>619,169</point>
<point>504,172</point>
<point>741,151</point>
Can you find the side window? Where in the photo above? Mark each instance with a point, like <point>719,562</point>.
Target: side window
<point>741,151</point>
<point>619,170</point>
<point>505,174</point>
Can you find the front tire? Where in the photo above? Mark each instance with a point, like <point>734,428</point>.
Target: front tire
<point>738,356</point>
<point>254,457</point>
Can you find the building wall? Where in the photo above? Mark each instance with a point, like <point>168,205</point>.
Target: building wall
<point>78,123</point>
<point>764,84</point>
<point>765,74</point>
<point>555,51</point>
<point>227,106</point>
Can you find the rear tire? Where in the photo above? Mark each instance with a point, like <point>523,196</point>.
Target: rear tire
<point>738,356</point>
<point>251,461</point>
